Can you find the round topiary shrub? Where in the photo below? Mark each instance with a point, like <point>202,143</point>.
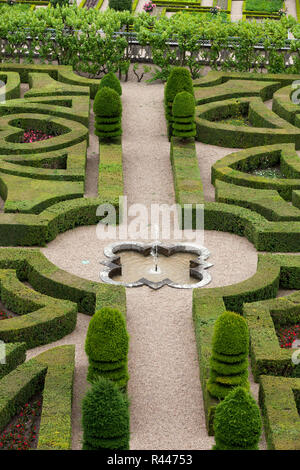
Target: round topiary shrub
<point>106,346</point>
<point>179,80</point>
<point>105,417</point>
<point>111,81</point>
<point>120,5</point>
<point>229,361</point>
<point>183,111</point>
<point>108,113</point>
<point>237,422</point>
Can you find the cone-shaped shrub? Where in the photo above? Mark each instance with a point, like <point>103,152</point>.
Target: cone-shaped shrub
<point>105,417</point>
<point>111,81</point>
<point>108,113</point>
<point>120,5</point>
<point>106,346</point>
<point>229,361</point>
<point>183,111</point>
<point>179,80</point>
<point>237,422</point>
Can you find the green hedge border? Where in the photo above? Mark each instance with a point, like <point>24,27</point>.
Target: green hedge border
<point>52,374</point>
<point>279,400</point>
<point>15,354</point>
<point>267,357</point>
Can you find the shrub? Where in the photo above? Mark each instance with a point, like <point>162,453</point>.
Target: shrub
<point>229,361</point>
<point>107,346</point>
<point>237,423</point>
<point>183,111</point>
<point>105,417</point>
<point>120,5</point>
<point>111,81</point>
<point>108,111</point>
<point>179,80</point>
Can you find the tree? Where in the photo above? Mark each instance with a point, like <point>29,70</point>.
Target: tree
<point>108,113</point>
<point>183,111</point>
<point>237,422</point>
<point>229,361</point>
<point>105,417</point>
<point>106,346</point>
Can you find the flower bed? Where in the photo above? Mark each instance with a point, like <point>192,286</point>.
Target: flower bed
<point>35,136</point>
<point>4,316</point>
<point>288,335</point>
<point>22,432</point>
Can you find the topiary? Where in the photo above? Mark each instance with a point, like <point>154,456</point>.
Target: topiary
<point>108,112</point>
<point>229,360</point>
<point>237,422</point>
<point>120,5</point>
<point>183,111</point>
<point>105,417</point>
<point>106,346</point>
<point>179,80</point>
<point>111,81</point>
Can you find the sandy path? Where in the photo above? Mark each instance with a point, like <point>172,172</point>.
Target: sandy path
<point>164,388</point>
<point>236,10</point>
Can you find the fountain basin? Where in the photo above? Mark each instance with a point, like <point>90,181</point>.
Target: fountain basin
<point>190,258</point>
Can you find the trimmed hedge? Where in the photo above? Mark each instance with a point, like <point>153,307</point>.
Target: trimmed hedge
<point>55,432</point>
<point>18,387</point>
<point>52,374</point>
<point>15,354</point>
<point>266,202</point>
<point>279,399</point>
<point>267,129</point>
<point>43,319</point>
<point>237,422</point>
<point>208,304</point>
<point>106,346</point>
<point>267,357</point>
<point>32,266</point>
<point>105,417</point>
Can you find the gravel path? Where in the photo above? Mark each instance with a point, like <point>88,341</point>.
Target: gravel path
<point>164,388</point>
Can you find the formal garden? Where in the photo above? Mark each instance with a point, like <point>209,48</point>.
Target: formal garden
<point>172,102</point>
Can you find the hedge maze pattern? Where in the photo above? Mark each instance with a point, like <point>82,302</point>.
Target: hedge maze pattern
<point>43,185</point>
<point>265,210</point>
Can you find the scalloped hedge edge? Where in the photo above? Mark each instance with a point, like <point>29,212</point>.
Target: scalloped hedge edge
<point>279,399</point>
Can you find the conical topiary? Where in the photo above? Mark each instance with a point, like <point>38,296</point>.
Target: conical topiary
<point>237,422</point>
<point>179,80</point>
<point>183,111</point>
<point>108,113</point>
<point>229,361</point>
<point>105,417</point>
<point>111,81</point>
<point>106,346</point>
